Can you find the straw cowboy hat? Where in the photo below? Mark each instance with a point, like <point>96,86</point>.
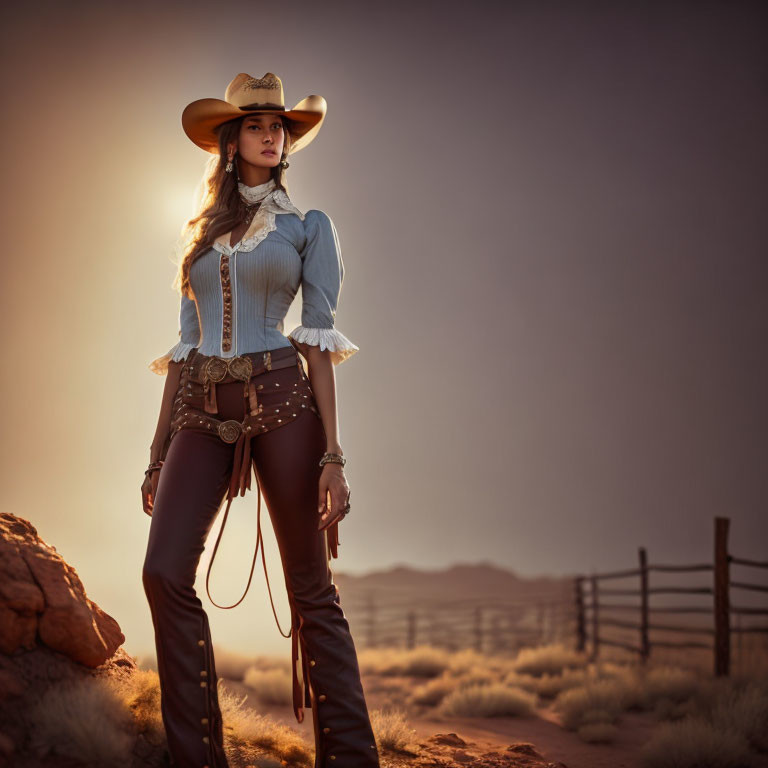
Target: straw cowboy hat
<point>245,95</point>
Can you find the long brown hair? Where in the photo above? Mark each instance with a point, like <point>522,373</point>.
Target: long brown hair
<point>219,205</point>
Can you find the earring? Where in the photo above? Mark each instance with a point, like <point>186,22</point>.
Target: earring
<point>284,164</point>
<point>229,166</point>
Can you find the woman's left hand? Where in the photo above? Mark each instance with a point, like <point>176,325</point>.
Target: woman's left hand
<point>332,481</point>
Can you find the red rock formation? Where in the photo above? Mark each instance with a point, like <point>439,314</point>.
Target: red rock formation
<point>43,601</point>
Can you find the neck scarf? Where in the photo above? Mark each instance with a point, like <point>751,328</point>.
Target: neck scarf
<point>273,201</point>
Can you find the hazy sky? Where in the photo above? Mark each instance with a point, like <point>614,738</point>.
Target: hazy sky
<point>553,222</point>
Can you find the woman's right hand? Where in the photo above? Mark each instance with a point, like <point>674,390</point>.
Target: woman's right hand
<point>149,491</point>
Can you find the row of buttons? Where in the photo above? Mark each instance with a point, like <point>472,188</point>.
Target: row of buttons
<point>226,290</point>
<point>204,684</point>
<point>326,729</point>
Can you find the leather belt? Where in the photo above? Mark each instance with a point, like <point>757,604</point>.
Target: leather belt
<point>210,370</point>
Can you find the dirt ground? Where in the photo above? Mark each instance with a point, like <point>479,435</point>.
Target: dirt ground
<point>512,742</point>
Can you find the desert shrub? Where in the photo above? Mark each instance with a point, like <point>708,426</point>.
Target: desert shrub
<point>739,706</point>
<point>598,701</point>
<point>392,731</point>
<point>548,659</point>
<point>491,700</point>
<point>250,736</point>
<point>270,686</point>
<point>421,661</point>
<point>693,743</point>
<point>85,721</point>
<point>547,686</point>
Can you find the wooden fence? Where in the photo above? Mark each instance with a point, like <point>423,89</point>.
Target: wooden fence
<point>591,606</point>
<point>488,626</point>
<point>583,608</point>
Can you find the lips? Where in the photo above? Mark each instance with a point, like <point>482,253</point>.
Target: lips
<point>268,152</point>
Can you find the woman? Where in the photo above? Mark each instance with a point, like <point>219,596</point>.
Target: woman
<point>237,395</point>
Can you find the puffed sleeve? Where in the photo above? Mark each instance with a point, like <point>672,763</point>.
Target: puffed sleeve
<point>189,337</point>
<point>322,274</point>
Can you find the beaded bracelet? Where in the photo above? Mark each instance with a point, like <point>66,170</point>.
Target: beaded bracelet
<point>332,458</point>
<point>153,466</point>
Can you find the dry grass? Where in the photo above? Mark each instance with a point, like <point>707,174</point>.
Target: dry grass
<point>270,686</point>
<point>141,694</point>
<point>431,693</point>
<point>392,732</point>
<point>738,705</point>
<point>248,735</point>
<point>421,661</point>
<point>86,721</point>
<point>548,686</point>
<point>599,701</point>
<point>693,743</point>
<point>551,659</point>
<point>488,700</point>
<point>434,691</point>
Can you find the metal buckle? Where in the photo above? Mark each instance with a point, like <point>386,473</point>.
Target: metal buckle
<point>239,367</point>
<point>268,360</point>
<point>230,430</point>
<point>215,369</point>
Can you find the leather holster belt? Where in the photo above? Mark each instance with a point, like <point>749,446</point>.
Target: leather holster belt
<point>214,370</point>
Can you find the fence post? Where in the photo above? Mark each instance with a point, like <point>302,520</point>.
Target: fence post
<point>595,619</point>
<point>410,641</point>
<point>479,629</point>
<point>581,630</point>
<point>645,647</point>
<point>722,603</point>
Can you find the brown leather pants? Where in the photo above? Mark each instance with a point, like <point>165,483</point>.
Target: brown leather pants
<point>192,487</point>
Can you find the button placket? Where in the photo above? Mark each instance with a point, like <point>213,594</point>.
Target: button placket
<point>227,269</point>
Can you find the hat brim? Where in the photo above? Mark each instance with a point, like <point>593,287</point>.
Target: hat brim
<point>201,119</point>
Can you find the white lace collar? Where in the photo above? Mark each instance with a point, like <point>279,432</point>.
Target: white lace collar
<point>273,201</point>
<point>254,194</point>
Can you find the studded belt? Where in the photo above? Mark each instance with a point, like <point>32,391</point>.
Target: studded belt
<point>193,408</point>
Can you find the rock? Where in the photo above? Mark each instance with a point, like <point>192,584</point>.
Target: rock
<point>42,600</point>
<point>449,739</point>
<point>524,748</point>
<point>51,634</point>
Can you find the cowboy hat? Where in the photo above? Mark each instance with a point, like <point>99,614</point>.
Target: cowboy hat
<point>246,95</point>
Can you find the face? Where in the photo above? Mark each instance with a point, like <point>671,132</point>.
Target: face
<point>260,135</point>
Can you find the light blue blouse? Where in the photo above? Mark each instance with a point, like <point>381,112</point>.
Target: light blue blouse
<point>264,281</point>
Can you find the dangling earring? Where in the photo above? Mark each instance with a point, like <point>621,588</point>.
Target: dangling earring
<point>284,164</point>
<point>229,166</point>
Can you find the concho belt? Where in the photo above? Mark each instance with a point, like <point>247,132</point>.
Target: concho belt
<point>193,406</point>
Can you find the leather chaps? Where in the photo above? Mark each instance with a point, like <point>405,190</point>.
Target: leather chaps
<point>231,415</point>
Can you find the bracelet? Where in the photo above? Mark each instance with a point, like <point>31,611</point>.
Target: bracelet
<point>332,458</point>
<point>153,466</point>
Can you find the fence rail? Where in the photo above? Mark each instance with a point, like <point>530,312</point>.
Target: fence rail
<point>589,605</point>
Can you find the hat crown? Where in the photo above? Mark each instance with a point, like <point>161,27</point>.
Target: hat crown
<point>247,92</point>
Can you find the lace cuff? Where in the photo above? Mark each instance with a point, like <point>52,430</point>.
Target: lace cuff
<point>326,338</point>
<point>176,353</point>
